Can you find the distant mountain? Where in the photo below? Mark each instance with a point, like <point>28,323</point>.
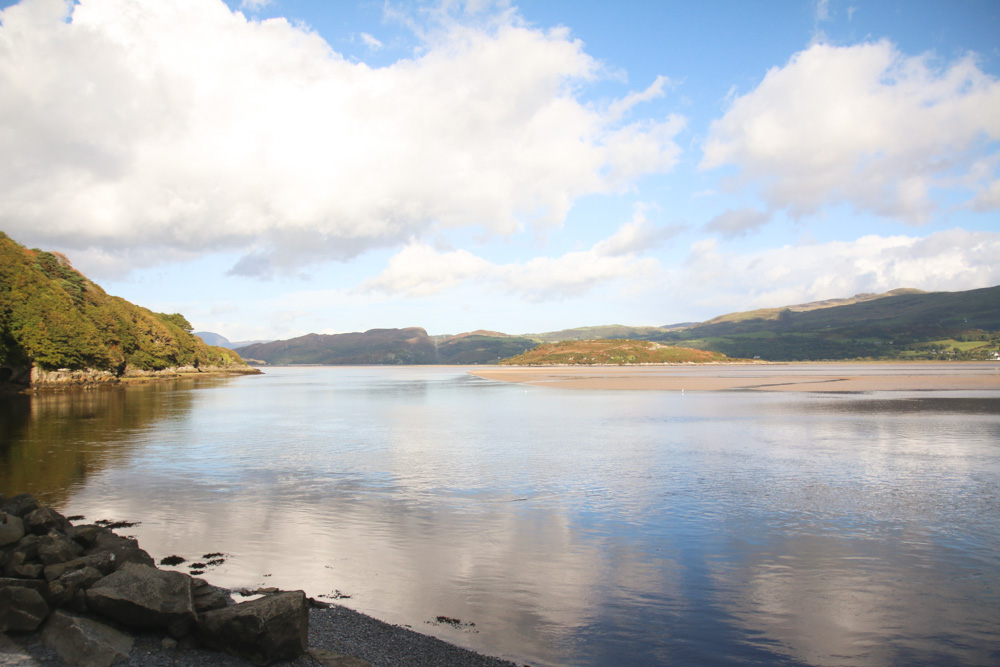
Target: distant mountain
<point>52,317</point>
<point>221,341</point>
<point>388,346</point>
<point>901,324</point>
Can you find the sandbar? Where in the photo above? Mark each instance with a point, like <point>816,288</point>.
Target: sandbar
<point>804,377</point>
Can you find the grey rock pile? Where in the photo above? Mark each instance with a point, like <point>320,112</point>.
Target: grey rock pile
<point>84,587</point>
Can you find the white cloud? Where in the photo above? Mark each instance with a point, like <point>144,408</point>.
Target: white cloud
<point>419,270</point>
<point>989,198</point>
<point>864,125</point>
<point>139,127</point>
<point>637,236</point>
<point>738,222</point>
<point>370,41</point>
<point>949,260</point>
<point>822,12</point>
<point>254,4</point>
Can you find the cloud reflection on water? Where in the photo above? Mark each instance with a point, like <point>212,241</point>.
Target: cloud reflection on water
<point>583,527</point>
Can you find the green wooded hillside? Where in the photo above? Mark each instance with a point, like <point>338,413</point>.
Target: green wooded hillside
<point>902,324</point>
<point>52,317</point>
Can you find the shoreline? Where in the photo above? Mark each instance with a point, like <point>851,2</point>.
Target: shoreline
<point>72,589</point>
<point>338,637</point>
<point>823,377</point>
<point>88,380</point>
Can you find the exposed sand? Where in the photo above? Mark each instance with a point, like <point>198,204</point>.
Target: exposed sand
<point>818,377</point>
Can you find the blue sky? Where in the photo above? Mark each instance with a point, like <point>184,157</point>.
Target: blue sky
<point>271,169</point>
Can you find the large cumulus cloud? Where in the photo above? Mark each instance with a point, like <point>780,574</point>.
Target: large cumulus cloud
<point>145,130</point>
<point>867,126</point>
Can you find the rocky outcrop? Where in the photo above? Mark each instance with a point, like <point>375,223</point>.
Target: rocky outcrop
<point>42,380</point>
<point>274,627</point>
<point>65,579</point>
<point>141,596</point>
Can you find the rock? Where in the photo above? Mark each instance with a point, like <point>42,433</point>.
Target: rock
<point>59,595</point>
<point>18,505</point>
<point>143,597</point>
<point>331,659</point>
<point>18,566</point>
<point>85,536</point>
<point>208,597</point>
<point>271,628</point>
<point>17,582</point>
<point>11,528</point>
<point>29,546</point>
<point>21,609</point>
<point>81,579</point>
<point>84,641</point>
<point>56,548</point>
<point>122,550</point>
<point>43,520</point>
<point>99,561</point>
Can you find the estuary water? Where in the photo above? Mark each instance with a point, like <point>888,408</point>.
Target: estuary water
<point>553,526</point>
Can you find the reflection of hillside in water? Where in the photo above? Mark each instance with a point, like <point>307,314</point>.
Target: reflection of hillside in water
<point>51,442</point>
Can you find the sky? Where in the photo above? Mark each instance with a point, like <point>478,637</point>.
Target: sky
<point>271,168</point>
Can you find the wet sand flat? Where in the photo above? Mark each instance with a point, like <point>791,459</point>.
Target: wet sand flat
<point>819,377</point>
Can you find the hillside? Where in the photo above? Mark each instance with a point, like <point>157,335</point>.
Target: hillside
<point>52,317</point>
<point>610,351</point>
<point>388,346</point>
<point>902,324</point>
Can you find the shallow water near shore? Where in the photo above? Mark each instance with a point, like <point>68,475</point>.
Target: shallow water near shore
<point>558,527</point>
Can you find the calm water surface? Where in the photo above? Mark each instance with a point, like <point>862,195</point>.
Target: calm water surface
<point>561,527</point>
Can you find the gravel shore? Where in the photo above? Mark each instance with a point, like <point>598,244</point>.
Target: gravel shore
<point>334,634</point>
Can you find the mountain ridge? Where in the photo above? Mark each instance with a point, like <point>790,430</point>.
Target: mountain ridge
<point>903,323</point>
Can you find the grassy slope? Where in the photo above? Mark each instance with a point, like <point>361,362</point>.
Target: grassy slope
<point>610,351</point>
<point>904,324</point>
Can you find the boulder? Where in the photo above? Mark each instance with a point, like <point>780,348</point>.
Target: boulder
<point>11,528</point>
<point>270,628</point>
<point>99,561</point>
<point>86,535</point>
<point>16,582</point>
<point>18,505</point>
<point>57,548</point>
<point>19,565</point>
<point>27,545</point>
<point>21,609</point>
<point>81,580</point>
<point>83,641</point>
<point>44,520</point>
<point>207,597</point>
<point>143,597</point>
<point>122,550</point>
